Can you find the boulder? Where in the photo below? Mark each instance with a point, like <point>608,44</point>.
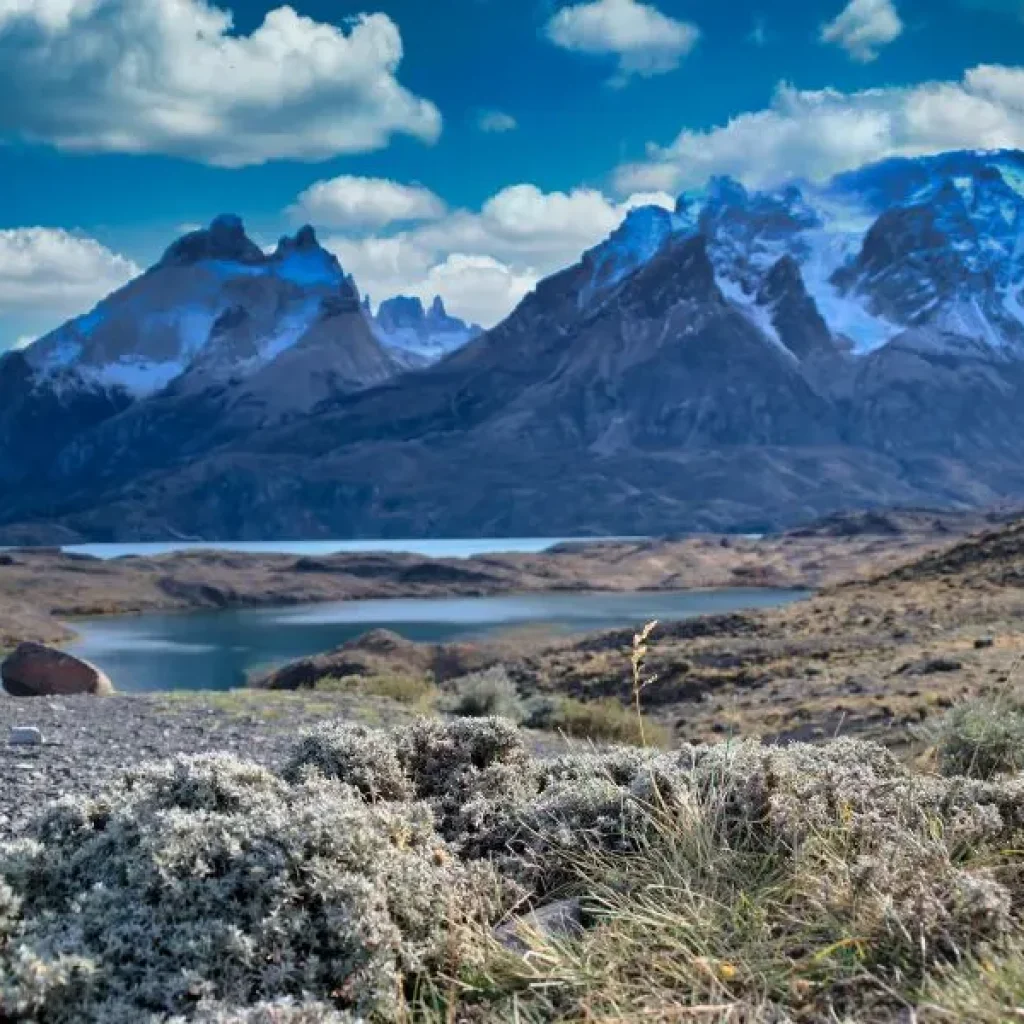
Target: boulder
<point>560,920</point>
<point>34,670</point>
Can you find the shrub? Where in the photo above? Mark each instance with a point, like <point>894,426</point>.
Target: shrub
<point>605,719</point>
<point>486,694</point>
<point>981,738</point>
<point>210,879</point>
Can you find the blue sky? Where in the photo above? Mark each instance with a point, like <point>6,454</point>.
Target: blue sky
<point>463,146</point>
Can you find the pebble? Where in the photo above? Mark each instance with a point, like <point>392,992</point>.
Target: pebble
<point>26,736</point>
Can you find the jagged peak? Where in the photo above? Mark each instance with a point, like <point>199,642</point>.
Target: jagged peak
<point>224,239</point>
<point>304,240</point>
<point>723,188</point>
<point>402,309</point>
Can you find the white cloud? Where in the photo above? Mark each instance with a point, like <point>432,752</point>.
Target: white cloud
<point>815,134</point>
<point>480,288</point>
<point>863,28</point>
<point>351,202</point>
<point>496,122</point>
<point>645,41</point>
<point>171,77</point>
<point>51,271</point>
<point>483,262</point>
<point>23,341</point>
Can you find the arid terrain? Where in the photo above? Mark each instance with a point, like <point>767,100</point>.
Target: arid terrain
<point>810,883</point>
<point>872,657</point>
<point>42,588</point>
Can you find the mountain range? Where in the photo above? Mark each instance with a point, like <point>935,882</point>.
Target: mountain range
<point>743,361</point>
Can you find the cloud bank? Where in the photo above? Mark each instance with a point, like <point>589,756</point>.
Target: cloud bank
<point>816,134</point>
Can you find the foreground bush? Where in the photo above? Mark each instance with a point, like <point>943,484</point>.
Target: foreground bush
<point>760,884</point>
<point>212,879</point>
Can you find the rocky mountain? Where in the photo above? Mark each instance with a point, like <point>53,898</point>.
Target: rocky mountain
<point>419,336</point>
<point>217,338</point>
<point>744,361</point>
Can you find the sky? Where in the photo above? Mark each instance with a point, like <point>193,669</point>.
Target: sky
<point>465,148</point>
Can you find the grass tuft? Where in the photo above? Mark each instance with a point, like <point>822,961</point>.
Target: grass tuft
<point>604,720</point>
<point>981,738</point>
<point>415,691</point>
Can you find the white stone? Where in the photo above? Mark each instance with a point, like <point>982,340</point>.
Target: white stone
<point>26,736</point>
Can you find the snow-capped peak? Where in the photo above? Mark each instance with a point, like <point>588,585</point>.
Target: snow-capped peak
<point>934,242</point>
<point>214,301</point>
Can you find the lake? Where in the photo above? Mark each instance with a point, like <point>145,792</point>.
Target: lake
<point>426,548</point>
<point>216,650</point>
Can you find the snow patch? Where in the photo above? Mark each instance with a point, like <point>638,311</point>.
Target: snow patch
<point>138,377</point>
<point>758,315</point>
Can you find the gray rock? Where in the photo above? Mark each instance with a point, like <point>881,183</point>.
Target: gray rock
<point>26,736</point>
<point>560,920</point>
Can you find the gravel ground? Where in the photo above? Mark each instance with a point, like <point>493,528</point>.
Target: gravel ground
<point>88,740</point>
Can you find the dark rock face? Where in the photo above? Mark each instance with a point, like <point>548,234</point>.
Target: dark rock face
<point>794,314</point>
<point>39,418</point>
<point>224,239</point>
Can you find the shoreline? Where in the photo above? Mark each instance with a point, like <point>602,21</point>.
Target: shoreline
<point>43,591</point>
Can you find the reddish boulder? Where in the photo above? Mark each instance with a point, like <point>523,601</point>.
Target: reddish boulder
<point>34,670</point>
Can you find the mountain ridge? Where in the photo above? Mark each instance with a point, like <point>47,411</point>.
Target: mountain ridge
<point>748,358</point>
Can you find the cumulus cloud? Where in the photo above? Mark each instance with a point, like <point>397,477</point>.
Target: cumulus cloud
<point>353,202</point>
<point>863,28</point>
<point>815,134</point>
<point>645,41</point>
<point>495,122</point>
<point>172,77</point>
<point>48,275</point>
<point>483,262</point>
<point>51,270</point>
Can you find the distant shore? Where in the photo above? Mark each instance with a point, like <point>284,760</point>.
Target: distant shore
<point>41,590</point>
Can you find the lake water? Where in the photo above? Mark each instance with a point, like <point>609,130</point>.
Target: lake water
<point>427,548</point>
<point>216,650</point>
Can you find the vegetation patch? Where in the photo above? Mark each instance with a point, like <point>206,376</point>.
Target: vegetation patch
<point>606,720</point>
<point>367,879</point>
<point>981,738</point>
<point>487,693</point>
<point>416,691</point>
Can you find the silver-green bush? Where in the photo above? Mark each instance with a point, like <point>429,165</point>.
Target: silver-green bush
<point>211,879</point>
<point>486,694</point>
